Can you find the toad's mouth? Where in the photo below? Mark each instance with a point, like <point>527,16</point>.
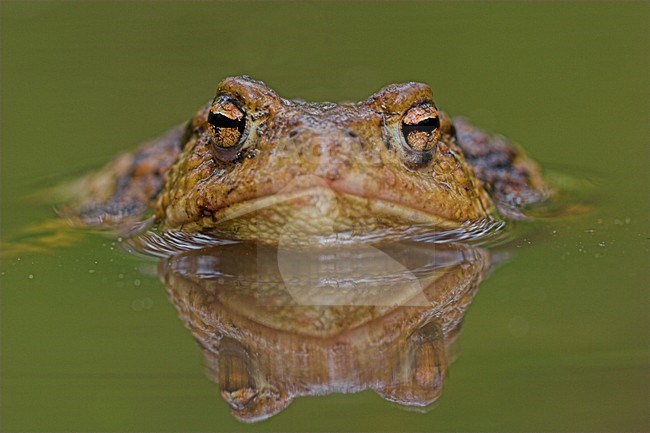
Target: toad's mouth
<point>325,213</point>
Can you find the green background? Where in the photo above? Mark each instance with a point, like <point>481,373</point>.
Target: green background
<point>556,339</point>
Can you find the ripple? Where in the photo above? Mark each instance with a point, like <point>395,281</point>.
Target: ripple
<point>158,243</point>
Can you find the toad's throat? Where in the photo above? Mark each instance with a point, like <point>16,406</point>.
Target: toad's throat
<point>318,213</point>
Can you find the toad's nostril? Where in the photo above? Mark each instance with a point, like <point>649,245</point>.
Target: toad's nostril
<point>352,134</point>
<point>293,133</point>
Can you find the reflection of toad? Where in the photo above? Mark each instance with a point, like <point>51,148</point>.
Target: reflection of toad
<point>251,164</point>
<point>274,326</point>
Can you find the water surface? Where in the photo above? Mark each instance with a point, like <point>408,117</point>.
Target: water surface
<point>555,339</point>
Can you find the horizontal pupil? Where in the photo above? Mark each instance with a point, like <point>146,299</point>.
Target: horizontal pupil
<point>429,121</point>
<point>418,128</point>
<point>427,125</point>
<point>220,121</point>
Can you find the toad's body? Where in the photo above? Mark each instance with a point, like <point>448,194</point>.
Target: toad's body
<point>252,165</point>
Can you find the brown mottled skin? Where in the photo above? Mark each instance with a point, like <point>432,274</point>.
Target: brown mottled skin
<point>319,168</point>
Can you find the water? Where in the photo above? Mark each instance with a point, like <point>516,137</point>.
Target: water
<point>276,324</point>
<point>556,338</point>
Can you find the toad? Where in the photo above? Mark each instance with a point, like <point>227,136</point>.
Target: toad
<point>251,165</point>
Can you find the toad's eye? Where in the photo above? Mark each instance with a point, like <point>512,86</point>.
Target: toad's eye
<point>421,127</point>
<point>226,123</point>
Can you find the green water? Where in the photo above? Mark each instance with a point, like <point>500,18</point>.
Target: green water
<point>556,339</point>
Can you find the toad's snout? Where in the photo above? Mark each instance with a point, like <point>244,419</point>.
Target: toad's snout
<point>331,151</point>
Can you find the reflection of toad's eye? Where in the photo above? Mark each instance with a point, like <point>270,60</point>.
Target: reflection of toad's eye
<point>226,123</point>
<point>421,127</point>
